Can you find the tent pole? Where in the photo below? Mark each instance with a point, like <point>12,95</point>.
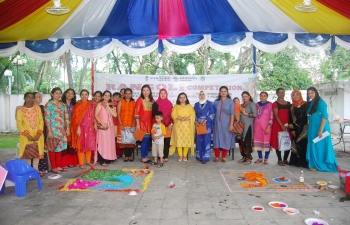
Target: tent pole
<point>92,76</point>
<point>254,59</point>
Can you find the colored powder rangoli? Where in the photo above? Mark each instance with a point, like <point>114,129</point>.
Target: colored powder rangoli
<point>110,180</point>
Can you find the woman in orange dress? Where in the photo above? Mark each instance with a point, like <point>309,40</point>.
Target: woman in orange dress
<point>126,112</point>
<point>143,117</point>
<point>83,132</point>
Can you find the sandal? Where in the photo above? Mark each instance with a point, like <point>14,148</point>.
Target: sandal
<point>223,160</point>
<point>131,159</point>
<point>160,165</point>
<point>82,167</point>
<point>153,163</point>
<point>125,160</point>
<point>179,159</point>
<point>266,162</point>
<point>285,162</point>
<point>166,160</point>
<point>242,160</point>
<point>104,164</point>
<point>258,161</point>
<point>184,159</point>
<point>55,171</point>
<point>281,163</point>
<point>148,161</point>
<point>247,162</point>
<point>216,160</point>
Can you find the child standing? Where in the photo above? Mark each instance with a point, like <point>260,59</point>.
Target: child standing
<point>158,132</point>
<point>237,108</point>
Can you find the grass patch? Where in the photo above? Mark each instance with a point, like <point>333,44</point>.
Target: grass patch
<point>9,140</point>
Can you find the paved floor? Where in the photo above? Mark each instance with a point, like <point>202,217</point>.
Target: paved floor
<point>201,196</point>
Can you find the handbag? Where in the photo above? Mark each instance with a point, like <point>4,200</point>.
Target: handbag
<point>100,127</point>
<point>31,151</point>
<point>128,136</point>
<point>238,127</point>
<point>284,143</point>
<point>168,132</point>
<point>139,134</point>
<point>51,144</point>
<point>201,129</point>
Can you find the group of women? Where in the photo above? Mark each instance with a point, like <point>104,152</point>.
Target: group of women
<point>86,129</point>
<point>303,120</point>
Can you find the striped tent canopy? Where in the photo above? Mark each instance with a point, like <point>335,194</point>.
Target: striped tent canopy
<point>93,28</point>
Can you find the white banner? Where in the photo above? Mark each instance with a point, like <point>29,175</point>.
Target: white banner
<point>190,84</point>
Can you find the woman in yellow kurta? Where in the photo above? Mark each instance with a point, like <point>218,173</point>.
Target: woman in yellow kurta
<point>182,135</point>
<point>30,125</point>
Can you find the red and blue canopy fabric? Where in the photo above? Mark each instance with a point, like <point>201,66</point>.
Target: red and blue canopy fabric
<point>93,28</point>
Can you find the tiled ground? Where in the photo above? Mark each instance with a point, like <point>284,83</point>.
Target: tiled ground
<point>201,196</point>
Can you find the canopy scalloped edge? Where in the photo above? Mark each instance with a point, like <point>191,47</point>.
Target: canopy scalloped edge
<point>268,42</point>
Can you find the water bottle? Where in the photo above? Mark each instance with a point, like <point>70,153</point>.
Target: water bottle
<point>301,178</point>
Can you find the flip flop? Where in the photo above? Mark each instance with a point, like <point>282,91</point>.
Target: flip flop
<point>148,161</point>
<point>55,172</point>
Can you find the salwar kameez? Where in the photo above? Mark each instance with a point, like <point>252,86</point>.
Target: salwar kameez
<point>224,139</point>
<point>143,112</point>
<point>246,143</point>
<point>263,120</point>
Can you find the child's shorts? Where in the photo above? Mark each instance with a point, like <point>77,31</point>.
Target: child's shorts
<point>157,150</point>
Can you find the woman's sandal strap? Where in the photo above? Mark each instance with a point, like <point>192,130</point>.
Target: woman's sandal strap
<point>258,161</point>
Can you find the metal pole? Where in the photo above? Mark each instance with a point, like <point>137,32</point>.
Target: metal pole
<point>254,59</point>
<point>17,78</point>
<point>92,76</point>
<point>10,81</point>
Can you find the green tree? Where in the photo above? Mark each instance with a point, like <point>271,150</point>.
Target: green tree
<point>335,66</point>
<point>283,69</point>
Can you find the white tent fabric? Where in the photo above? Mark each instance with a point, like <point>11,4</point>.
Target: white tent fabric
<point>87,20</point>
<point>264,13</point>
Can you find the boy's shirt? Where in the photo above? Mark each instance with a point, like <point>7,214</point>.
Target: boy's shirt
<point>157,130</point>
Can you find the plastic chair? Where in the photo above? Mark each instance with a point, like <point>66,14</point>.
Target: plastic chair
<point>19,172</point>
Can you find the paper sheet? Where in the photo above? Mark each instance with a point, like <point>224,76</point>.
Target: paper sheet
<point>317,139</point>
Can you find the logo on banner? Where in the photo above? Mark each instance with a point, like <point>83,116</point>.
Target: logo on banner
<point>202,78</point>
<point>175,78</point>
<point>146,78</point>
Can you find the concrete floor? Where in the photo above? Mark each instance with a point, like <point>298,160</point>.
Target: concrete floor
<point>201,196</point>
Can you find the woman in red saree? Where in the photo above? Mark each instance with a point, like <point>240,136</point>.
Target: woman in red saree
<point>83,129</point>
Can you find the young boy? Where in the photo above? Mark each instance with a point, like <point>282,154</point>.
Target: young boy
<point>158,132</point>
<point>237,109</point>
<point>116,98</point>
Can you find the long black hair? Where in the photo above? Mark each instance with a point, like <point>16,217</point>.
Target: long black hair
<point>129,89</point>
<point>110,95</point>
<point>178,99</point>
<point>64,98</point>
<point>247,93</point>
<point>53,92</point>
<point>315,100</point>
<point>150,92</point>
<point>228,94</point>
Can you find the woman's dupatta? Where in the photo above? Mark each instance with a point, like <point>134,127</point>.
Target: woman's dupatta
<point>79,111</point>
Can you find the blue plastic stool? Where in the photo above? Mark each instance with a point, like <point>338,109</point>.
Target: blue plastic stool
<point>19,172</point>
